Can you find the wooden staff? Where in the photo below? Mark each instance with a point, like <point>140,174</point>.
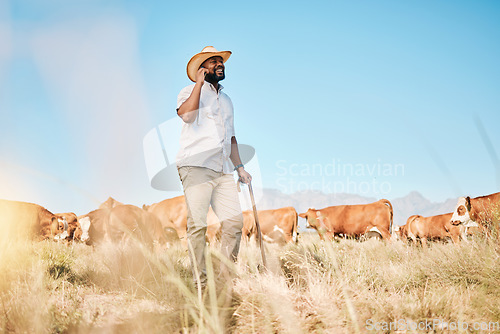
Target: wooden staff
<point>259,232</point>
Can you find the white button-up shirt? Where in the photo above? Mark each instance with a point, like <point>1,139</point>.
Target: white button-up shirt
<point>206,142</point>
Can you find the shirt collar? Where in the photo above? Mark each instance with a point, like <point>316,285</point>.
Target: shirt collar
<point>210,86</point>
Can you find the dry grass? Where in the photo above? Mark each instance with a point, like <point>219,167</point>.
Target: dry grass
<point>312,287</point>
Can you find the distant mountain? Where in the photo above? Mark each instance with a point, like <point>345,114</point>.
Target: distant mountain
<point>415,204</point>
<point>411,204</point>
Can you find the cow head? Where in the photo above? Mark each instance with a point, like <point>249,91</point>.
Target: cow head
<point>461,215</point>
<point>395,232</point>
<point>69,227</point>
<point>48,227</point>
<point>314,219</point>
<point>77,235</point>
<point>311,218</point>
<point>55,227</point>
<point>85,226</point>
<point>402,232</point>
<point>62,228</point>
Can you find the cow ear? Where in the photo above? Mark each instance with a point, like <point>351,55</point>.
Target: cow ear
<point>467,203</point>
<point>303,215</point>
<point>54,224</point>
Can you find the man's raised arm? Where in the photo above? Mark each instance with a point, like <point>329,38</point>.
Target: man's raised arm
<point>188,111</point>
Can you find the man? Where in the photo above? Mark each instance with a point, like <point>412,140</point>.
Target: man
<point>208,146</point>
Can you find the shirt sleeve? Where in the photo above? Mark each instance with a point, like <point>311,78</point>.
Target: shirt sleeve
<point>184,95</point>
<point>231,130</point>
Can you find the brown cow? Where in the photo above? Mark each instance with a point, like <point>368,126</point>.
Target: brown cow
<point>172,213</point>
<point>93,223</point>
<point>279,225</point>
<point>352,220</point>
<point>21,219</point>
<point>126,222</point>
<point>484,210</point>
<point>71,228</point>
<point>434,227</point>
<point>161,236</point>
<point>109,204</point>
<point>121,223</point>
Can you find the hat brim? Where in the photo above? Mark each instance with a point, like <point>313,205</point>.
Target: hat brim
<point>198,59</point>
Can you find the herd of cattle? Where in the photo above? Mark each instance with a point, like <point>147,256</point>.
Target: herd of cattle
<point>164,223</point>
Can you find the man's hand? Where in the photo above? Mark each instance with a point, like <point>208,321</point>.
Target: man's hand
<point>244,176</point>
<point>200,75</point>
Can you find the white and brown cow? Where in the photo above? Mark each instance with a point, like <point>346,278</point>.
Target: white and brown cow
<point>352,220</point>
<point>277,226</point>
<point>483,210</point>
<point>434,227</point>
<point>93,225</point>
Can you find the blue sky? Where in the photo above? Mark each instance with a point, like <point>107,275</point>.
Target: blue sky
<point>378,98</point>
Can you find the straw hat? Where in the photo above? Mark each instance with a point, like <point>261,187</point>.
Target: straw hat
<point>198,59</point>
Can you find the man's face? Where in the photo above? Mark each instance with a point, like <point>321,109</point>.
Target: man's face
<point>215,67</point>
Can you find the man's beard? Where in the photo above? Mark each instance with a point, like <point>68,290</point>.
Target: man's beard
<point>213,77</point>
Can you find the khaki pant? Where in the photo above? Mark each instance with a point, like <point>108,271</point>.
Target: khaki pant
<point>204,187</point>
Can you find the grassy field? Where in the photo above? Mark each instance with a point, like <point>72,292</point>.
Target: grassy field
<point>311,287</point>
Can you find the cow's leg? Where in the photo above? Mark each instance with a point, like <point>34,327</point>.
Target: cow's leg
<point>424,242</point>
<point>385,234</point>
<point>245,234</point>
<point>329,236</point>
<point>463,233</point>
<point>454,237</point>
